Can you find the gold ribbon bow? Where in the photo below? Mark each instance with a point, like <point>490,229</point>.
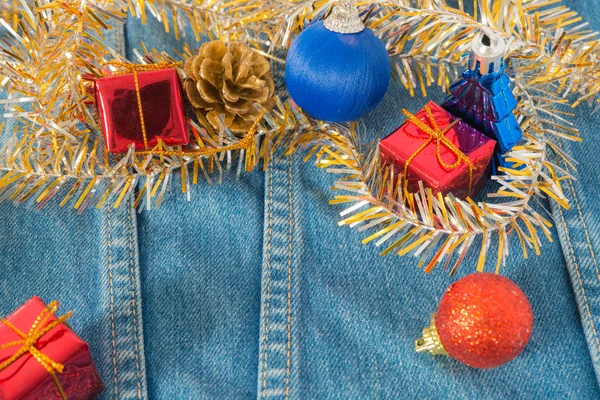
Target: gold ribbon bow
<point>134,69</point>
<point>244,143</point>
<point>28,342</point>
<point>435,134</point>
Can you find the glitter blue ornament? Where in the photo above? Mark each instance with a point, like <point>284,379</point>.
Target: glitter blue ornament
<point>483,97</point>
<point>337,70</point>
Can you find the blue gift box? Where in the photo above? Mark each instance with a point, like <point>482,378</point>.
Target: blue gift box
<point>487,103</point>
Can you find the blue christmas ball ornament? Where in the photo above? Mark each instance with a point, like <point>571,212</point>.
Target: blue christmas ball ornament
<point>337,70</point>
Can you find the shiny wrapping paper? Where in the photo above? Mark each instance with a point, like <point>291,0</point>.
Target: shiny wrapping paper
<point>27,379</point>
<point>161,102</point>
<point>487,103</point>
<point>404,143</point>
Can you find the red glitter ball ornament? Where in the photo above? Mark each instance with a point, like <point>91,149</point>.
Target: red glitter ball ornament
<point>484,320</point>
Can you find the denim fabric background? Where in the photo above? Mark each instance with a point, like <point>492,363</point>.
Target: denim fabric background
<point>251,290</point>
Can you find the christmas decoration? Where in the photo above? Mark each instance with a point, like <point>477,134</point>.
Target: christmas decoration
<point>141,107</point>
<point>443,152</point>
<point>484,320</point>
<point>229,81</point>
<point>53,154</point>
<point>483,96</point>
<point>42,358</point>
<point>337,70</point>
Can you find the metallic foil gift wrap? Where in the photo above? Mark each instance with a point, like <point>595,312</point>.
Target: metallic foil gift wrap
<point>487,103</point>
<point>42,358</point>
<point>483,96</point>
<point>143,112</point>
<point>457,164</point>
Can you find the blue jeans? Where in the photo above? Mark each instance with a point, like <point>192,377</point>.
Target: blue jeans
<point>251,290</point>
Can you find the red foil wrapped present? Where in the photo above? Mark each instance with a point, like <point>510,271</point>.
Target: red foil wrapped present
<point>444,152</point>
<point>42,358</point>
<point>140,107</point>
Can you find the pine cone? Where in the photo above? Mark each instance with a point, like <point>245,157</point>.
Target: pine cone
<point>228,81</point>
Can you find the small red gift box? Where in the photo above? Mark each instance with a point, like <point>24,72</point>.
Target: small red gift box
<point>42,358</point>
<point>143,112</point>
<point>444,152</point>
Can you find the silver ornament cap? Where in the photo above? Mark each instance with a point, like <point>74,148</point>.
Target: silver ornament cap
<point>344,18</point>
<point>487,49</point>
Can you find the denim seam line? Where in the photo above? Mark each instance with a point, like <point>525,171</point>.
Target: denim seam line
<point>136,306</point>
<point>582,297</point>
<point>112,306</point>
<point>579,282</point>
<point>128,372</point>
<point>289,283</point>
<point>276,349</point>
<point>120,49</point>
<point>124,310</point>
<point>267,302</point>
<point>587,233</point>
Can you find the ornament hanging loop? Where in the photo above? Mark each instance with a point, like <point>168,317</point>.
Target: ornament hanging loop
<point>430,342</point>
<point>344,18</point>
<point>488,50</point>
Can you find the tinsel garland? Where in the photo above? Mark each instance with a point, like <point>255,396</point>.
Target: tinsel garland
<point>53,150</point>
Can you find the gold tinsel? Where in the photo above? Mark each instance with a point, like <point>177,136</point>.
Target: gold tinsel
<point>229,81</point>
<point>51,149</point>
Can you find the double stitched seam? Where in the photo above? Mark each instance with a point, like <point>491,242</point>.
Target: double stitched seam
<point>574,257</point>
<point>289,285</point>
<point>134,305</point>
<point>587,234</point>
<point>112,305</point>
<point>136,338</point>
<point>268,304</point>
<point>110,273</point>
<point>587,237</point>
<point>585,299</point>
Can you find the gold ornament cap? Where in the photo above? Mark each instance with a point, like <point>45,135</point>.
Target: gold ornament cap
<point>488,49</point>
<point>344,18</point>
<point>430,342</point>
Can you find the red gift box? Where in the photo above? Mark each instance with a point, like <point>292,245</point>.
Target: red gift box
<point>143,112</point>
<point>58,360</point>
<point>442,151</point>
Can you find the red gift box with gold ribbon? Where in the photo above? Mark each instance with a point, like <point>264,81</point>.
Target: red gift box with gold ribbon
<point>42,358</point>
<point>442,151</point>
<point>141,105</point>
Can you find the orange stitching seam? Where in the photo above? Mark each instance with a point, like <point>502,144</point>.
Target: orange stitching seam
<point>133,306</point>
<point>289,286</point>
<point>112,306</point>
<point>587,235</point>
<point>268,305</point>
<point>585,299</point>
